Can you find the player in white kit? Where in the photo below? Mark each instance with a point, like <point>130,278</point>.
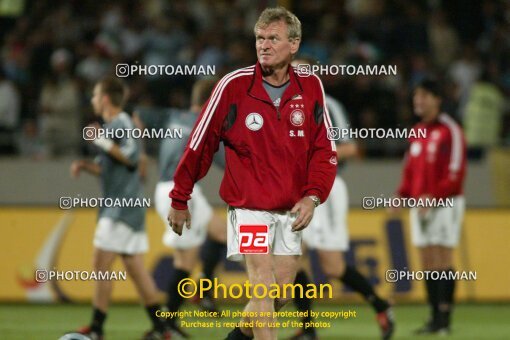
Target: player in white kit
<point>328,234</point>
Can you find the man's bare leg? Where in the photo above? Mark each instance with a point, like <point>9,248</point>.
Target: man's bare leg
<point>146,288</point>
<point>286,267</point>
<point>103,261</point>
<point>184,262</point>
<point>144,283</point>
<point>260,271</point>
<point>280,269</point>
<point>186,259</point>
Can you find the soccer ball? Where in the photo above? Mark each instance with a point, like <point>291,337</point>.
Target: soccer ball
<point>74,336</point>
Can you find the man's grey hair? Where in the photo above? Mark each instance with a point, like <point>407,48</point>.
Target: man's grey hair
<point>274,14</point>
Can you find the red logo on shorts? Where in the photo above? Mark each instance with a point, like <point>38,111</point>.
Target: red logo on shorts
<point>253,239</point>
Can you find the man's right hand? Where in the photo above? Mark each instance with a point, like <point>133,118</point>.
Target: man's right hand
<point>177,219</point>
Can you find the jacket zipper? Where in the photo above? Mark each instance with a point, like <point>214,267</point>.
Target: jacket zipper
<point>278,115</point>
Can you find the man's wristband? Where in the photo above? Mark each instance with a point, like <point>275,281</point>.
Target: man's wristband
<point>316,200</point>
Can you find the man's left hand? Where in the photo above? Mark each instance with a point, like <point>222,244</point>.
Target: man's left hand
<point>177,219</point>
<point>304,208</point>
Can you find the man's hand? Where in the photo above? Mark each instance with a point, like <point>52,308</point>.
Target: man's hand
<point>177,219</point>
<point>423,211</point>
<point>76,167</point>
<point>304,208</point>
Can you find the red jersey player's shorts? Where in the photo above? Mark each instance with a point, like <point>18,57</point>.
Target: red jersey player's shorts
<point>261,232</point>
<point>440,226</point>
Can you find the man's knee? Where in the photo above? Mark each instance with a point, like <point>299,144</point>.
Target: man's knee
<point>443,259</point>
<point>102,260</point>
<point>334,272</point>
<point>426,259</point>
<point>185,259</point>
<point>262,276</point>
<point>332,264</point>
<point>260,271</point>
<point>130,264</point>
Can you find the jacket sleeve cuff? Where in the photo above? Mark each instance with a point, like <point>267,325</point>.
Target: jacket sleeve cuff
<point>179,205</point>
<point>314,192</point>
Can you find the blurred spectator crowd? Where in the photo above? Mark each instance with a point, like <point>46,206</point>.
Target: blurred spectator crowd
<point>53,52</point>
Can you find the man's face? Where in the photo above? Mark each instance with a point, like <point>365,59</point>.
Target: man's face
<point>274,49</point>
<point>97,100</point>
<point>425,103</point>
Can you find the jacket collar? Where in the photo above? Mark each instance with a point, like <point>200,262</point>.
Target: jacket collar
<point>258,91</point>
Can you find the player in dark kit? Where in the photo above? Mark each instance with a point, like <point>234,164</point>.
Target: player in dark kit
<point>435,167</point>
<point>186,247</point>
<point>120,230</point>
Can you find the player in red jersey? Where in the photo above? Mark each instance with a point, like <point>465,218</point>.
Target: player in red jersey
<point>435,167</point>
<point>279,165</point>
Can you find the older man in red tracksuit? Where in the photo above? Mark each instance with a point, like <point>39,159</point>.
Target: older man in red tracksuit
<point>435,167</point>
<point>280,164</point>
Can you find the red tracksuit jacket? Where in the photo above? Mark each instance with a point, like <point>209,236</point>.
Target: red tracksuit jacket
<point>436,164</point>
<point>274,157</point>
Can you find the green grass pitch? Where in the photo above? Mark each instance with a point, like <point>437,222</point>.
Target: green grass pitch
<point>124,322</point>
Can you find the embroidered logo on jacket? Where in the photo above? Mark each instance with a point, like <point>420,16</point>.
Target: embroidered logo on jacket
<point>254,121</point>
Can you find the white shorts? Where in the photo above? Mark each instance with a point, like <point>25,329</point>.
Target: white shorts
<point>118,237</point>
<point>328,228</point>
<point>200,210</point>
<point>441,227</point>
<point>281,240</point>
